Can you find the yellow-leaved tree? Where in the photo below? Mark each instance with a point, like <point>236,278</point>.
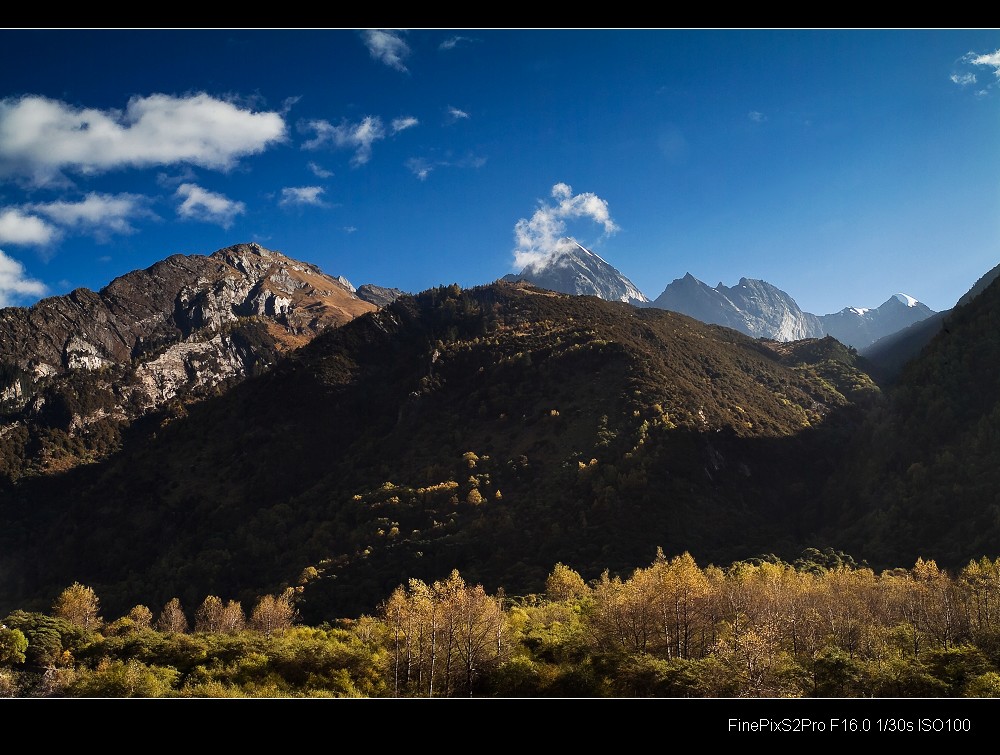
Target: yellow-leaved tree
<point>79,605</point>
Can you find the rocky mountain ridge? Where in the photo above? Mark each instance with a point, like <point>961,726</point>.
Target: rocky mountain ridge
<point>181,328</point>
<point>754,307</point>
<point>762,310</point>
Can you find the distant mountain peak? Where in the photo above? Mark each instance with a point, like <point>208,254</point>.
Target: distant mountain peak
<point>754,307</point>
<point>763,310</point>
<point>574,269</point>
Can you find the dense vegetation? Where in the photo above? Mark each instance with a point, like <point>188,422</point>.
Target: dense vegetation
<point>421,469</point>
<point>820,627</point>
<point>495,430</point>
<point>922,474</point>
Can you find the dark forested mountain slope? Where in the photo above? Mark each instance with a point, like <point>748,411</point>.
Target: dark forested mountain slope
<point>497,430</point>
<point>923,477</point>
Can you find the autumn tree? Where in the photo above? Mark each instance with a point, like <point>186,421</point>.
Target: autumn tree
<point>397,613</point>
<point>79,605</point>
<point>980,583</point>
<point>624,616</point>
<point>233,619</point>
<point>273,613</point>
<point>217,617</point>
<point>141,617</point>
<point>564,584</point>
<point>482,641</point>
<point>172,619</point>
<point>682,591</point>
<point>443,636</point>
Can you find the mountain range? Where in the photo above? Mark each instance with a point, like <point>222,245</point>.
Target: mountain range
<point>754,307</point>
<point>241,422</point>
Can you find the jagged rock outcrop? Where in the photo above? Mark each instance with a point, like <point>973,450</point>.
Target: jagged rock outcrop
<point>179,328</point>
<point>378,295</point>
<point>754,307</point>
<point>146,310</point>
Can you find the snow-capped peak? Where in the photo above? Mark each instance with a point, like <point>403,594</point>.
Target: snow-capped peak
<point>909,301</point>
<point>574,269</point>
<point>860,310</point>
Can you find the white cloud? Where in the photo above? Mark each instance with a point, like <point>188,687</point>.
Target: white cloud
<point>543,236</point>
<point>756,116</point>
<point>297,195</point>
<point>14,284</point>
<point>99,213</point>
<point>349,229</point>
<point>421,167</point>
<point>991,59</point>
<point>207,206</point>
<point>288,103</point>
<point>452,42</point>
<point>358,136</point>
<point>319,171</point>
<point>168,181</point>
<point>968,78</point>
<point>387,47</point>
<point>455,114</point>
<point>16,227</point>
<point>41,137</point>
<point>400,124</point>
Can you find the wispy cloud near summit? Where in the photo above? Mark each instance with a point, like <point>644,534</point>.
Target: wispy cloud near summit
<point>14,283</point>
<point>207,206</point>
<point>544,235</point>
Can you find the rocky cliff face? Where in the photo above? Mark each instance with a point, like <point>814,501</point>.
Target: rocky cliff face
<point>754,307</point>
<point>178,329</point>
<point>380,296</point>
<point>166,304</point>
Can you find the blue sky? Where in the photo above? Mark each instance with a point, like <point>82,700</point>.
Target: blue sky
<point>840,165</point>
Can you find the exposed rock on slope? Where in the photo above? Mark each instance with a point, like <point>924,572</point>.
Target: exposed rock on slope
<point>754,307</point>
<point>183,327</point>
<point>379,295</point>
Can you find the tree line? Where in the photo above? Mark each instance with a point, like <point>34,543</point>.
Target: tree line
<point>820,627</point>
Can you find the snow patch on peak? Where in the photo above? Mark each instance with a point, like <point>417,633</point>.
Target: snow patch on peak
<point>590,252</point>
<point>909,301</point>
<point>860,311</point>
